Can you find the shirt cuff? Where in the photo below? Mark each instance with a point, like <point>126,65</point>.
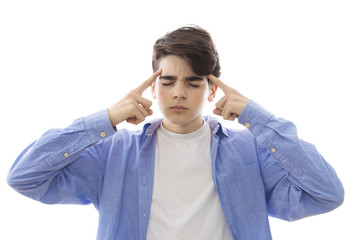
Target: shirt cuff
<point>99,126</point>
<point>254,117</point>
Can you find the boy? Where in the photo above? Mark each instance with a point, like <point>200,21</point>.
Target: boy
<point>184,176</point>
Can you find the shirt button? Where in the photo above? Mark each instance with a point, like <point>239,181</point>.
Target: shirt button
<point>273,150</point>
<point>102,134</point>
<point>66,155</point>
<point>247,125</point>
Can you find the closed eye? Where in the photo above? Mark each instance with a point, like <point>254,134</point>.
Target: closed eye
<point>167,84</point>
<point>193,85</point>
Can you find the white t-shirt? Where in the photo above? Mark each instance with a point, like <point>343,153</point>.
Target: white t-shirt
<point>185,203</point>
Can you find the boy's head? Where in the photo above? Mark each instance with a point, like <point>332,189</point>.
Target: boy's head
<point>186,56</point>
<point>194,45</point>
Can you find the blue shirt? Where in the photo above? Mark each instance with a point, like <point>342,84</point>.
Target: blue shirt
<point>258,171</point>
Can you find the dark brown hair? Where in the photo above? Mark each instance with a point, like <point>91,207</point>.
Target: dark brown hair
<point>193,44</point>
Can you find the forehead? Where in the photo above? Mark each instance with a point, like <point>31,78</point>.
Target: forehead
<point>175,65</point>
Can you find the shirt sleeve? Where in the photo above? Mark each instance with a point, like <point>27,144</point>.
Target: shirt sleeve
<point>298,181</point>
<point>65,165</point>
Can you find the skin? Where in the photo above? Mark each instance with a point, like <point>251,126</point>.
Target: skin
<point>133,108</point>
<point>181,96</point>
<point>231,105</point>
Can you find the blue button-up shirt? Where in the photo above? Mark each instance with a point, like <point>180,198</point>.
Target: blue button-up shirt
<point>258,171</point>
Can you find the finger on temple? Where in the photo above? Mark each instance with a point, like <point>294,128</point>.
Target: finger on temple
<point>148,82</point>
<point>217,82</point>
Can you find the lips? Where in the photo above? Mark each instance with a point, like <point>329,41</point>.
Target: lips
<point>178,108</point>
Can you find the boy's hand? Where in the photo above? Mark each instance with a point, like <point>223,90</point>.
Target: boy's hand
<point>133,108</point>
<point>232,104</point>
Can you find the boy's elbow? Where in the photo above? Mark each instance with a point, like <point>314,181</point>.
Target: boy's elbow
<point>339,197</point>
<point>334,199</point>
<point>19,181</point>
<point>13,181</point>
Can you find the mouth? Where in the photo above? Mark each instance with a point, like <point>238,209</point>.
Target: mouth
<point>178,108</point>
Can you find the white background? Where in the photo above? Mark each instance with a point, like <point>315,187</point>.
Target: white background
<point>60,60</point>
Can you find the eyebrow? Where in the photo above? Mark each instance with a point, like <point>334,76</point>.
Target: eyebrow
<point>194,78</point>
<point>173,78</point>
<point>167,77</point>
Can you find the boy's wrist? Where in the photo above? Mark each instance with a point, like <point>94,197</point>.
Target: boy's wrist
<point>99,125</point>
<point>254,116</point>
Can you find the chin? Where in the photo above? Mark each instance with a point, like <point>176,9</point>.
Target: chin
<point>180,119</point>
<point>177,119</point>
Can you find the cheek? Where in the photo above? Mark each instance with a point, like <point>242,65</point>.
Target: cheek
<point>200,98</point>
<point>161,95</point>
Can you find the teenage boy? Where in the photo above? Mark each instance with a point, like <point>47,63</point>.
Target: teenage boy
<point>184,176</point>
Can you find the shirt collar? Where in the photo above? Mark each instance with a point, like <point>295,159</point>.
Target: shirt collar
<point>150,127</point>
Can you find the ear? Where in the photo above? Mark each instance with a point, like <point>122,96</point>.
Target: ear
<point>153,92</point>
<point>212,92</point>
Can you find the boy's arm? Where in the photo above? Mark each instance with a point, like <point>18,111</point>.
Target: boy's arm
<point>298,181</point>
<point>66,165</point>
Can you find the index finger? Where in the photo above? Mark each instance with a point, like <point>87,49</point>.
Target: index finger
<point>217,82</point>
<point>148,82</point>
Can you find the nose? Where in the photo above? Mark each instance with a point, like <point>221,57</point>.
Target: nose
<point>179,90</point>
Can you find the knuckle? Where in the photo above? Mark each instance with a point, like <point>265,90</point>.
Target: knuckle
<point>131,102</point>
<point>131,94</point>
<point>141,118</point>
<point>132,107</point>
<point>219,105</point>
<point>149,103</point>
<point>145,113</point>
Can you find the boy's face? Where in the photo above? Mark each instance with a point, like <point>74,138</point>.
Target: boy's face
<point>181,95</point>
